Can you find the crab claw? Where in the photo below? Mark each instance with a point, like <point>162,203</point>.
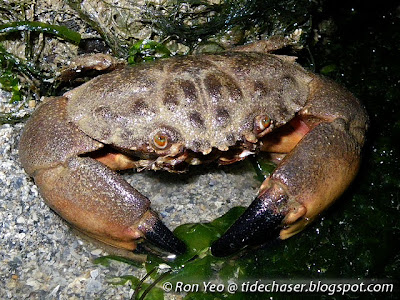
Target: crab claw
<point>258,224</point>
<point>85,192</point>
<point>160,236</point>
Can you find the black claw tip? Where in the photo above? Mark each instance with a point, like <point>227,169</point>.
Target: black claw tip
<point>257,225</point>
<point>160,236</point>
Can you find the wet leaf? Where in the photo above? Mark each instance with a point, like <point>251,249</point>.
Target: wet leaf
<point>122,280</point>
<point>195,271</point>
<point>105,260</point>
<point>57,30</point>
<point>224,222</point>
<point>150,293</point>
<point>197,237</point>
<point>147,50</point>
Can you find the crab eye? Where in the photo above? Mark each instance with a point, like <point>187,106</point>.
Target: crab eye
<point>262,123</point>
<point>160,140</point>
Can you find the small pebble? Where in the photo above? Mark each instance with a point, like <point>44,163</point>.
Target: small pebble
<point>96,252</point>
<point>20,220</point>
<point>94,273</point>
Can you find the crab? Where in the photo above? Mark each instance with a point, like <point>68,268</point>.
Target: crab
<point>183,111</point>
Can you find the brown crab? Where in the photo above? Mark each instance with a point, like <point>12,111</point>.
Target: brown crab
<point>183,111</point>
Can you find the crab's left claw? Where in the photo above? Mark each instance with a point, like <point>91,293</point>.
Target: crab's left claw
<point>258,224</point>
<point>317,169</point>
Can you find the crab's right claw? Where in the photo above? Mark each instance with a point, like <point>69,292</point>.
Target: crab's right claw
<point>98,202</point>
<point>82,190</point>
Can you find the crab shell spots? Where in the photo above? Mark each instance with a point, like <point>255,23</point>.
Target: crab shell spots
<point>221,87</point>
<point>170,101</point>
<point>261,89</point>
<point>222,117</point>
<point>189,90</point>
<point>205,101</point>
<point>196,120</point>
<point>140,108</point>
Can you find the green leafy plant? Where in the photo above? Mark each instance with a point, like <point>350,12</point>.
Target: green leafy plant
<point>57,30</point>
<point>147,50</point>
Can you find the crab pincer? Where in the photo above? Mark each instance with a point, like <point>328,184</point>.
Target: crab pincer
<point>260,223</point>
<point>85,192</point>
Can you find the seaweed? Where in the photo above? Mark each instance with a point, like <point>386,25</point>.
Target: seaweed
<point>60,31</point>
<point>264,17</point>
<point>119,47</point>
<point>147,50</point>
<point>20,78</point>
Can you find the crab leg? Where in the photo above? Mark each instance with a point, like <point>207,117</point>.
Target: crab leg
<point>310,177</point>
<point>86,193</point>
